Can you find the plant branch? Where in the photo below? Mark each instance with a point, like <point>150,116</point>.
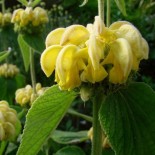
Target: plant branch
<point>32,70</point>
<point>97,131</point>
<point>108,13</point>
<point>3,146</point>
<point>73,112</point>
<point>101,9</point>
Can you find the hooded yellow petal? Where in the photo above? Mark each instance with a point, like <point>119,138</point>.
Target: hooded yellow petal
<point>54,37</point>
<point>75,34</point>
<point>91,75</point>
<point>72,79</point>
<point>116,75</point>
<point>90,28</point>
<point>117,25</point>
<point>48,59</point>
<point>99,26</point>
<point>17,15</point>
<point>65,61</point>
<point>122,55</point>
<point>145,48</point>
<point>95,51</point>
<point>133,36</point>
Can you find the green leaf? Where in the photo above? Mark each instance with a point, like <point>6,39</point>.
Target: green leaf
<point>25,50</point>
<point>20,80</point>
<point>70,150</point>
<point>4,55</point>
<point>127,116</point>
<point>36,2</point>
<point>36,42</point>
<point>108,151</point>
<point>3,89</point>
<point>43,117</point>
<point>66,137</point>
<point>84,3</point>
<point>121,6</point>
<point>24,2</point>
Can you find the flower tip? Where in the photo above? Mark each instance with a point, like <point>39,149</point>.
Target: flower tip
<point>48,59</point>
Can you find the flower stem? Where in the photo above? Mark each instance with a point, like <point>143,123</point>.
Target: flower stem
<point>108,13</point>
<point>97,131</point>
<point>3,6</point>
<point>32,70</point>
<point>101,9</point>
<point>73,112</point>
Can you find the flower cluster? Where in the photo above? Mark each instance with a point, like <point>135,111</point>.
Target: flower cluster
<point>26,96</point>
<point>91,54</point>
<point>5,19</point>
<point>29,20</point>
<point>8,122</point>
<point>8,70</point>
<point>59,16</point>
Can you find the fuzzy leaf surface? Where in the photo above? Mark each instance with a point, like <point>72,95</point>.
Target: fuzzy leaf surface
<point>127,116</point>
<point>43,117</point>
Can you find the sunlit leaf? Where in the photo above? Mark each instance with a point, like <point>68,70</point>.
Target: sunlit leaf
<point>121,6</point>
<point>35,2</point>
<point>4,55</point>
<point>25,50</point>
<point>68,137</point>
<point>84,3</point>
<point>43,117</point>
<point>70,150</point>
<point>24,2</point>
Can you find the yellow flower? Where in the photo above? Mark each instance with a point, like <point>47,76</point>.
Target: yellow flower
<point>17,15</point>
<point>116,46</point>
<point>63,53</point>
<point>90,54</point>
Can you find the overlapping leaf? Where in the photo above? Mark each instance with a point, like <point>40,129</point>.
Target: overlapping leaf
<point>43,117</point>
<point>127,117</point>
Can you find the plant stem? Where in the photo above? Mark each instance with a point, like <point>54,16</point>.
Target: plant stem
<point>22,113</point>
<point>101,9</point>
<point>32,70</point>
<point>108,13</point>
<point>97,131</point>
<point>73,112</point>
<point>3,6</point>
<point>3,146</point>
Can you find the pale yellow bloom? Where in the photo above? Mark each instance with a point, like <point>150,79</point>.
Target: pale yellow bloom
<point>63,53</point>
<point>90,54</point>
<point>29,20</point>
<point>121,45</point>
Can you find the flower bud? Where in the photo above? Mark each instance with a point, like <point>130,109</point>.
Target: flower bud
<point>8,70</point>
<point>85,93</point>
<point>8,122</point>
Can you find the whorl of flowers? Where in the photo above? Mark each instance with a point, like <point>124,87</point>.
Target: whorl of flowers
<point>5,19</point>
<point>93,53</point>
<point>25,96</point>
<point>8,122</point>
<point>29,20</point>
<point>8,70</point>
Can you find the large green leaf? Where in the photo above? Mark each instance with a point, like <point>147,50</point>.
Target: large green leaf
<point>128,118</point>
<point>43,117</point>
<point>70,150</point>
<point>36,42</point>
<point>121,6</point>
<point>4,55</point>
<point>25,50</point>
<point>68,137</point>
